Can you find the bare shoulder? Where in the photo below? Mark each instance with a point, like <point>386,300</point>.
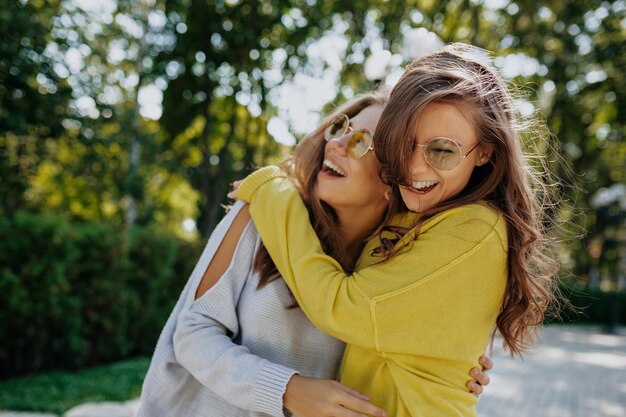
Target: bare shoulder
<point>224,255</point>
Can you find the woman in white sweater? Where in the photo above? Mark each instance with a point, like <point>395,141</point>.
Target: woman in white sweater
<point>235,343</point>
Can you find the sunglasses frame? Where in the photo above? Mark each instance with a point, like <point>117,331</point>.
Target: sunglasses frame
<point>348,129</point>
<point>460,153</point>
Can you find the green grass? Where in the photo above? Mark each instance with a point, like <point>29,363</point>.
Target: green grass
<point>56,392</point>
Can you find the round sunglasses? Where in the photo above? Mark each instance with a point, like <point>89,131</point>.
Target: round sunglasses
<point>443,153</point>
<point>360,142</point>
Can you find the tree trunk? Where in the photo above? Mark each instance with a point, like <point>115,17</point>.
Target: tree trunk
<point>132,185</point>
<point>211,209</point>
<point>251,141</point>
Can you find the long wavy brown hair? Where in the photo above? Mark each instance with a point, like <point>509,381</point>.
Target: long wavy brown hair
<point>303,167</point>
<point>459,74</point>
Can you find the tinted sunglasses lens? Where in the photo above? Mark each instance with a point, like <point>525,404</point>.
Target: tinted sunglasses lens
<point>336,127</point>
<point>442,153</point>
<point>360,143</point>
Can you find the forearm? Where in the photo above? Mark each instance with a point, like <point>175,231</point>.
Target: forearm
<point>230,370</point>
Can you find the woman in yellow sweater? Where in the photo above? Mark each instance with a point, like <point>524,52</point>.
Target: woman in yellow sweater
<point>460,255</point>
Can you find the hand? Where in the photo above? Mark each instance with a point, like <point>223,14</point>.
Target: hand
<point>316,397</point>
<point>481,379</point>
<point>235,185</point>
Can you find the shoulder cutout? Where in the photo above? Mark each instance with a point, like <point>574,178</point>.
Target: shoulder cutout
<point>224,255</point>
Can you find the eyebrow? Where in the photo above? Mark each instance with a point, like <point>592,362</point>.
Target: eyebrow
<point>435,137</point>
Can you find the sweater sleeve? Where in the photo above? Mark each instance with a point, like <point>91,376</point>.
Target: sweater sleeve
<point>204,345</point>
<point>346,306</point>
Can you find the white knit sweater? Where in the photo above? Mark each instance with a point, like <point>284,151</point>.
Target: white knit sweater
<point>232,351</point>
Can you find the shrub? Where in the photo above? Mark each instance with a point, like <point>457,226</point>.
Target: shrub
<point>80,294</point>
<point>592,305</point>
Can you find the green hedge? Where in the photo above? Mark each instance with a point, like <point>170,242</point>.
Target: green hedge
<point>591,305</point>
<point>77,295</point>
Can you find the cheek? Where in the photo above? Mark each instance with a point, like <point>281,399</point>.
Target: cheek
<point>372,188</point>
<point>458,182</point>
<point>370,168</point>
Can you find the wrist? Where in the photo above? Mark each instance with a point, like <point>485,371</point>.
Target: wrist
<point>255,180</point>
<point>291,392</point>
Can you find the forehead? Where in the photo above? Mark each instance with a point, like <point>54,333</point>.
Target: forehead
<point>454,121</point>
<point>367,118</point>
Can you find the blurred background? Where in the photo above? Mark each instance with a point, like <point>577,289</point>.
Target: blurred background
<point>123,122</point>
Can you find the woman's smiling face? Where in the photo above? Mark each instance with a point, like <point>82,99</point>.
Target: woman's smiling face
<point>430,186</point>
<point>345,182</point>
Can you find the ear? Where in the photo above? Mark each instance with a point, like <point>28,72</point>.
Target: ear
<point>485,155</point>
<point>387,194</point>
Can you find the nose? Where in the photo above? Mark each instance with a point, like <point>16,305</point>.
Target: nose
<point>418,161</point>
<point>339,145</point>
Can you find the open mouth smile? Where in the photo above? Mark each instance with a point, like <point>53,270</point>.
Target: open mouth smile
<point>332,169</point>
<point>423,187</point>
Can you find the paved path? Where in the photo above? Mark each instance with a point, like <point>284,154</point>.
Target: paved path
<point>576,372</point>
<point>101,409</point>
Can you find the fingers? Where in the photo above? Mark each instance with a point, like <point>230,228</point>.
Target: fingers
<point>486,363</point>
<point>344,412</point>
<point>353,392</point>
<point>480,377</point>
<point>356,405</point>
<point>235,185</point>
<point>475,388</point>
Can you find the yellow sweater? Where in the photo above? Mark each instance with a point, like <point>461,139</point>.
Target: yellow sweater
<point>414,325</point>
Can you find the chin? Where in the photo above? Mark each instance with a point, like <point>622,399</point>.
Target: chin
<point>410,201</point>
<point>325,195</point>
<point>417,205</point>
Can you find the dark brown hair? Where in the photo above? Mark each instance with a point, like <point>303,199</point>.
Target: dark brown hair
<point>303,167</point>
<point>462,75</point>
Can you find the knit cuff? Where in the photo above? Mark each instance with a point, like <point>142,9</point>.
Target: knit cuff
<point>255,180</point>
<point>270,388</point>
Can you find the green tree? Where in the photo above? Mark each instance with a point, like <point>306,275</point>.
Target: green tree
<point>33,98</point>
<point>107,164</point>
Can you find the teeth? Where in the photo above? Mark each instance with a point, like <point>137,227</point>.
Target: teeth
<point>334,168</point>
<point>422,184</point>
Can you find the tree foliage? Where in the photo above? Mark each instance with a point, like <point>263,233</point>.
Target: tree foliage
<point>33,97</point>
